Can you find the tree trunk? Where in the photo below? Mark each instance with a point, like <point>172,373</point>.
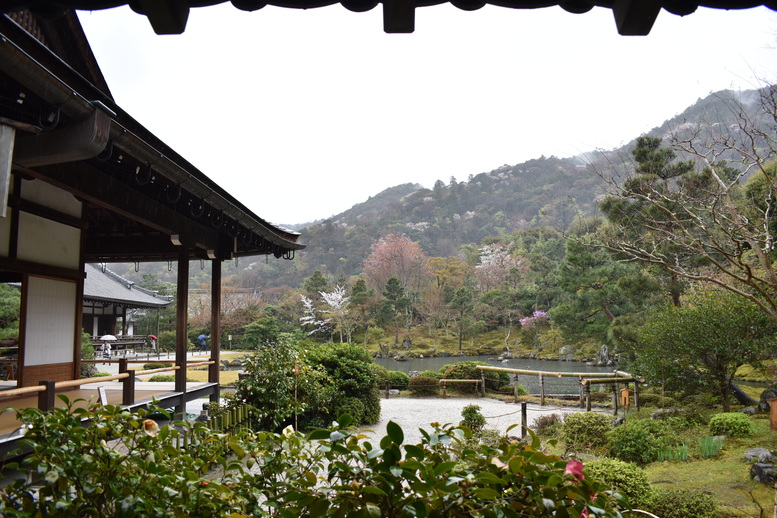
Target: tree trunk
<point>740,396</point>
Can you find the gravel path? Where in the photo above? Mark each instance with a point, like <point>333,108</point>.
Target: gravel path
<point>412,414</point>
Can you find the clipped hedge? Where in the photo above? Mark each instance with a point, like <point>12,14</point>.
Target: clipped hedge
<point>398,380</point>
<point>731,424</point>
<point>683,503</point>
<point>586,431</point>
<point>625,477</point>
<point>638,440</point>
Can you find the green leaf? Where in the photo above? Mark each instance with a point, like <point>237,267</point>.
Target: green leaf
<point>414,451</point>
<point>488,478</point>
<point>317,435</point>
<point>374,490</point>
<point>444,468</point>
<point>486,493</point>
<point>395,432</point>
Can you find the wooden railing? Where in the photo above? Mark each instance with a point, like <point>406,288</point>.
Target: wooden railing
<point>586,379</point>
<point>46,390</point>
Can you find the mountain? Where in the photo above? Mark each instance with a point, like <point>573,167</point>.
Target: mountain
<point>546,191</point>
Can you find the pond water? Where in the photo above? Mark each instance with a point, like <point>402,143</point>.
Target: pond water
<point>553,385</point>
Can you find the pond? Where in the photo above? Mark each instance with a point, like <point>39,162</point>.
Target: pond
<point>566,385</point>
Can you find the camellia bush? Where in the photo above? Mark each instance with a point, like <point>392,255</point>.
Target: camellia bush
<point>124,465</point>
<point>308,388</point>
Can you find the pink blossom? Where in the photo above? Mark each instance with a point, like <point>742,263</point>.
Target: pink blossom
<point>575,469</point>
<point>584,513</point>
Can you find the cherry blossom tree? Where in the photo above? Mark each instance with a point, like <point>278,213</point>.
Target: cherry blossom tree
<point>396,255</point>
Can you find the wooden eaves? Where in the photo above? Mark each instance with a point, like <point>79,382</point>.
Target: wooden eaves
<point>142,200</point>
<point>632,17</point>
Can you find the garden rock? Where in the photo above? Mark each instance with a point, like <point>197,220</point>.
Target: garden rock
<point>766,395</point>
<point>764,473</point>
<point>760,455</point>
<point>750,410</point>
<point>663,413</point>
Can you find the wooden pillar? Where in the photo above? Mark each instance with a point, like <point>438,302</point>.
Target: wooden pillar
<point>128,391</point>
<point>636,395</point>
<point>524,420</point>
<point>588,397</point>
<point>542,390</point>
<point>181,326</point>
<point>615,398</point>
<point>515,389</point>
<point>582,391</point>
<point>46,399</point>
<point>215,326</point>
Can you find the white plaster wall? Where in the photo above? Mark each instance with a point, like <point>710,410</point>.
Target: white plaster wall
<point>55,198</point>
<point>50,322</point>
<point>47,242</point>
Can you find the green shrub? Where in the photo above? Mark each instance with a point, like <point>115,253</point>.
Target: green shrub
<point>381,373</point>
<point>398,380</point>
<point>162,377</point>
<point>548,425</point>
<point>424,386</point>
<point>683,503</point>
<point>473,419</point>
<point>585,431</point>
<point>101,374</point>
<point>638,440</point>
<point>731,424</point>
<point>430,374</point>
<point>521,390</point>
<point>628,479</point>
<point>353,407</point>
<point>349,369</point>
<point>152,366</point>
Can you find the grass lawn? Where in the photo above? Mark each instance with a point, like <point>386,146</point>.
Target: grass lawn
<point>200,374</point>
<point>727,476</point>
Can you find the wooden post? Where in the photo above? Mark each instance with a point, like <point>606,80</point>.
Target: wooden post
<point>542,390</point>
<point>615,398</point>
<point>581,390</point>
<point>636,395</point>
<point>515,388</point>
<point>46,397</point>
<point>388,387</point>
<point>181,320</point>
<point>588,398</point>
<point>772,416</point>
<point>482,384</point>
<point>128,390</point>
<point>524,418</point>
<point>215,328</point>
<point>444,390</point>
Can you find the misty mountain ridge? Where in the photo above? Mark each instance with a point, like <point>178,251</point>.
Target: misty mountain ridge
<point>545,192</point>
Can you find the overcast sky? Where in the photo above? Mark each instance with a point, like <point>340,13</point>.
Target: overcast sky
<point>300,114</point>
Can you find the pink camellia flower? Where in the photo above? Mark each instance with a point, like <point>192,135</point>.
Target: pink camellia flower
<point>584,514</point>
<point>574,468</point>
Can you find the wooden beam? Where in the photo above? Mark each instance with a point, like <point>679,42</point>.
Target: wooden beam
<point>635,17</point>
<point>90,184</point>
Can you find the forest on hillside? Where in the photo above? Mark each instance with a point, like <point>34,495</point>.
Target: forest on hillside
<point>553,256</point>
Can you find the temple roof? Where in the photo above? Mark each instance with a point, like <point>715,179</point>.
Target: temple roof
<point>101,285</point>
